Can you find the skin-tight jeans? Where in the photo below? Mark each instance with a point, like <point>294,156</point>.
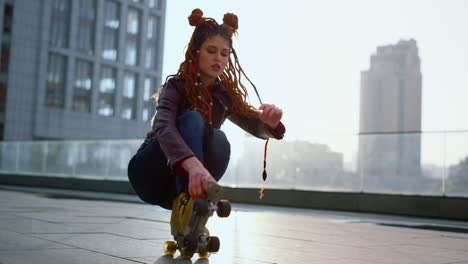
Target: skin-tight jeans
<point>150,175</point>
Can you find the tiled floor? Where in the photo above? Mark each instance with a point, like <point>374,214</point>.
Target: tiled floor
<point>35,228</point>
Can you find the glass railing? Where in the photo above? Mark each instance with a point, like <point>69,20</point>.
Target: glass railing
<point>106,159</point>
<point>422,164</point>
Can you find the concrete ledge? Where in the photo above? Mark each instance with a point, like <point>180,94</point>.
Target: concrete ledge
<point>83,184</point>
<point>409,205</point>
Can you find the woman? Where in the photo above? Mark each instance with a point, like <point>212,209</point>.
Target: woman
<point>186,147</point>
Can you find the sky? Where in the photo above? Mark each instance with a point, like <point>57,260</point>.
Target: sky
<point>306,56</point>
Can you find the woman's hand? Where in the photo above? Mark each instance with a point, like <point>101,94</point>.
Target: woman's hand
<point>198,177</point>
<point>270,115</point>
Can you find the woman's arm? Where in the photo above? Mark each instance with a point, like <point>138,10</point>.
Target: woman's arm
<point>166,132</point>
<point>173,145</point>
<point>266,125</point>
<point>198,177</point>
<point>270,115</point>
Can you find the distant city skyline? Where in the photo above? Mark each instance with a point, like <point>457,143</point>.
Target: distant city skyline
<point>306,57</point>
<point>317,49</point>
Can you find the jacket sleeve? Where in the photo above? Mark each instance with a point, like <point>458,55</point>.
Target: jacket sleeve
<point>256,127</point>
<point>166,132</point>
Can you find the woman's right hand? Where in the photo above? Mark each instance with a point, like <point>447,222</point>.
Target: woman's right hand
<point>198,177</point>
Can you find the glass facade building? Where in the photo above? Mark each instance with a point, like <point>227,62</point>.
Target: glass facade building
<point>79,69</point>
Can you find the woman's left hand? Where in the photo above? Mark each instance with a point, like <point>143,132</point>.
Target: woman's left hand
<point>270,115</point>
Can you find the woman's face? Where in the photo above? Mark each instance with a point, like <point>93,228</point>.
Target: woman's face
<point>214,56</point>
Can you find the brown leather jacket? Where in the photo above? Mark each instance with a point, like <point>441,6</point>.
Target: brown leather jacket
<point>172,103</point>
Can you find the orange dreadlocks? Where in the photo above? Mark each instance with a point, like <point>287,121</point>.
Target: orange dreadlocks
<point>230,78</point>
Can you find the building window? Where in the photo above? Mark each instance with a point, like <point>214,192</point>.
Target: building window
<point>107,87</point>
<point>148,105</point>
<point>60,23</point>
<point>86,26</point>
<point>154,4</point>
<point>56,78</point>
<point>4,60</point>
<point>152,43</point>
<point>151,30</point>
<point>7,18</point>
<point>131,50</point>
<point>128,96</point>
<point>111,30</point>
<point>131,42</point>
<point>3,90</point>
<point>82,86</point>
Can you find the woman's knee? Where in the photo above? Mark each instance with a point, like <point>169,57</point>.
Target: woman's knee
<point>191,120</point>
<point>220,140</point>
<point>218,154</point>
<point>219,146</point>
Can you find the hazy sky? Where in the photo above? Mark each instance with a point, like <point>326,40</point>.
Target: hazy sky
<point>306,56</point>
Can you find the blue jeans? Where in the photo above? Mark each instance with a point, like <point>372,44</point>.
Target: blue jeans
<point>148,171</point>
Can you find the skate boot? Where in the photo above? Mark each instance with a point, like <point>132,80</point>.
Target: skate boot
<point>188,220</point>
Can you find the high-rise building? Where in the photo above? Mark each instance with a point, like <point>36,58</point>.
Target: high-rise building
<point>390,114</point>
<point>79,69</point>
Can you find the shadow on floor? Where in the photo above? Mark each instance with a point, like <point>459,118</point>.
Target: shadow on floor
<point>179,260</point>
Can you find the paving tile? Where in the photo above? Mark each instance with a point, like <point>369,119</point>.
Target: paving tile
<point>12,241</point>
<point>443,242</point>
<point>108,244</point>
<point>37,228</point>
<point>59,256</point>
<point>28,225</point>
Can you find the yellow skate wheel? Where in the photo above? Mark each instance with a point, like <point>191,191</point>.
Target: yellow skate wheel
<point>186,254</point>
<point>170,248</point>
<point>204,255</point>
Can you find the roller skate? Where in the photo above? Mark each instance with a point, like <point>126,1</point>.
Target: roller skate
<point>188,220</point>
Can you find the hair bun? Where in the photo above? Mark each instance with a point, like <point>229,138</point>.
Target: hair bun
<point>196,18</point>
<point>230,20</point>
